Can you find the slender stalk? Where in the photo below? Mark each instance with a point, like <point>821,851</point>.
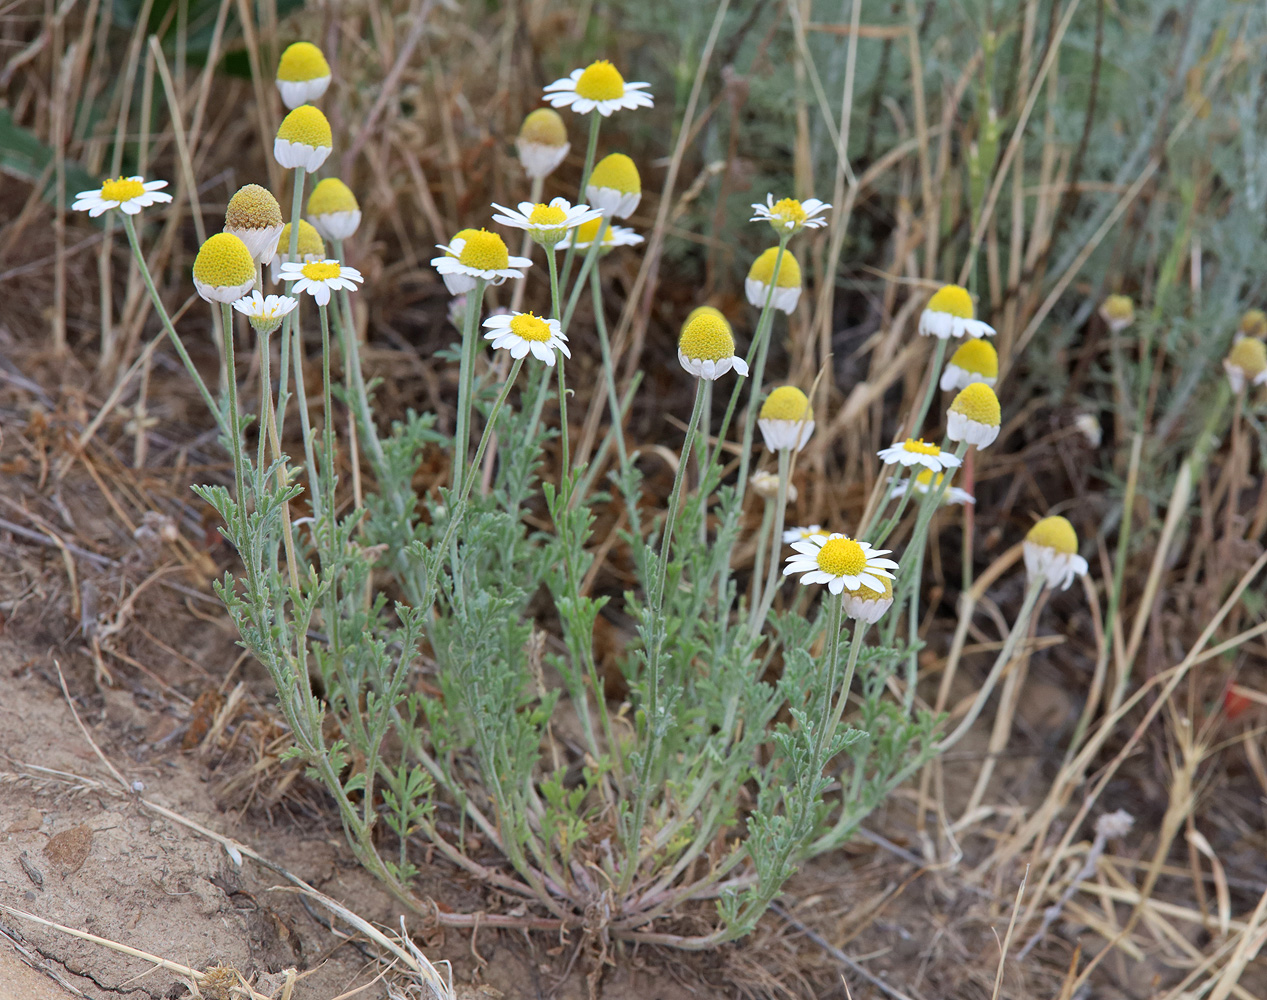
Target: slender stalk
<point>563,397</point>
<point>268,427</point>
<point>291,323</point>
<point>305,426</point>
<point>466,378</point>
<point>591,148</point>
<point>327,430</point>
<point>835,608</point>
<point>776,545</point>
<point>588,266</point>
<point>235,436</point>
<point>855,647</point>
<point>758,564</point>
<point>609,375</point>
<point>525,247</point>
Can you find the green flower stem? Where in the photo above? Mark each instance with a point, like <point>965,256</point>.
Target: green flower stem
<point>835,610</point>
<point>290,323</point>
<point>934,375</point>
<point>525,246</point>
<point>776,546</point>
<point>758,563</point>
<point>235,435</point>
<point>305,426</point>
<point>266,397</point>
<point>268,427</point>
<point>327,430</point>
<point>587,267</point>
<point>466,378</point>
<point>855,647</point>
<point>609,374</point>
<point>591,148</point>
<point>600,456</point>
<point>891,522</point>
<point>564,436</point>
<point>359,396</point>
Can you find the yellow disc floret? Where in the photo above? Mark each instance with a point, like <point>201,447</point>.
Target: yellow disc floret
<point>252,207</point>
<point>550,215</point>
<point>865,593</point>
<point>121,190</point>
<point>842,557</point>
<point>979,403</point>
<point>310,241</point>
<point>952,299</point>
<point>331,195</point>
<point>789,210</point>
<point>544,127</point>
<point>224,262</point>
<point>916,446</point>
<point>484,251</point>
<point>586,232</point>
<point>321,270</point>
<point>1118,309</point>
<point>707,338</point>
<point>307,126</point>
<point>787,402</point>
<point>616,171</point>
<point>1254,323</point>
<point>703,310</point>
<point>1054,533</point>
<point>762,269</point>
<point>978,357</point>
<point>530,327</point>
<point>601,81</point>
<point>301,62</point>
<point>928,479</point>
<point>1250,356</point>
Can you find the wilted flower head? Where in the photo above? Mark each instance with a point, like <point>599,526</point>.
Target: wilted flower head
<point>542,142</point>
<point>787,285</point>
<point>302,74</point>
<point>333,209</point>
<point>224,270</point>
<point>614,186</point>
<point>304,139</point>
<point>254,217</point>
<point>706,347</point>
<point>786,419</point>
<point>950,313</point>
<point>1051,552</point>
<point>975,360</point>
<point>975,416</point>
<point>867,604</point>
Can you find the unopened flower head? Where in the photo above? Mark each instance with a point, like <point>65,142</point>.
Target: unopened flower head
<point>1118,312</point>
<point>224,270</point>
<point>614,186</point>
<point>310,247</point>
<point>913,451</point>
<point>975,416</point>
<point>598,87</point>
<point>975,360</point>
<point>1051,552</point>
<point>547,224</point>
<point>302,74</point>
<point>787,285</point>
<point>841,562</point>
<point>800,534</point>
<point>265,312</point>
<point>128,194</point>
<point>525,333</point>
<point>927,480</point>
<point>542,142</point>
<point>1254,324</point>
<point>1246,363</point>
<point>867,604</point>
<point>478,254</point>
<point>949,313</point>
<point>254,217</point>
<point>304,139</point>
<point>320,277</point>
<point>613,236</point>
<point>788,216</point>
<point>766,486</point>
<point>706,348</point>
<point>786,419</point>
<point>333,209</point>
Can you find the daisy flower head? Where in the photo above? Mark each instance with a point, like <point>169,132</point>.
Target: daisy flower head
<point>788,216</point>
<point>1118,312</point>
<point>766,486</point>
<point>1254,323</point>
<point>949,313</point>
<point>547,224</point>
<point>598,87</point>
<point>786,419</point>
<point>927,480</point>
<point>1246,363</point>
<point>704,311</point>
<point>975,416</point>
<point>319,277</point>
<point>254,217</point>
<point>614,186</point>
<point>478,254</point>
<point>1051,551</point>
<point>975,360</point>
<point>913,451</point>
<point>333,209</point>
<point>706,347</point>
<point>304,139</point>
<point>525,333</point>
<point>224,269</point>
<point>310,247</point>
<point>542,143</point>
<point>128,194</point>
<point>302,74</point>
<point>787,284</point>
<point>841,562</point>
<point>868,604</point>
<point>613,236</point>
<point>265,312</point>
<point>801,534</point>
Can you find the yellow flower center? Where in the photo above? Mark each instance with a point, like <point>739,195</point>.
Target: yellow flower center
<point>789,210</point>
<point>300,62</point>
<point>224,261</point>
<point>549,215</point>
<point>707,338</point>
<point>762,269</point>
<point>916,446</point>
<point>321,270</point>
<point>530,327</point>
<point>787,402</point>
<point>704,310</point>
<point>1254,323</point>
<point>545,128</point>
<point>952,299</point>
<point>310,242</point>
<point>307,126</point>
<point>977,356</point>
<point>1054,533</point>
<point>601,81</point>
<point>586,232</point>
<point>1119,308</point>
<point>841,557</point>
<point>331,195</point>
<point>616,171</point>
<point>928,479</point>
<point>484,251</point>
<point>1250,356</point>
<point>979,403</point>
<point>252,207</point>
<point>865,593</point>
<point>121,190</point>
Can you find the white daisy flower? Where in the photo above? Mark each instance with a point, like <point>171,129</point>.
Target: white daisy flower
<point>598,87</point>
<point>613,236</point>
<point>949,314</point>
<point>128,194</point>
<point>477,253</point>
<point>913,451</point>
<point>800,534</point>
<point>265,312</point>
<point>304,139</point>
<point>614,186</point>
<point>868,605</point>
<point>841,562</point>
<point>789,216</point>
<point>224,269</point>
<point>1246,363</point>
<point>706,347</point>
<point>302,74</point>
<point>786,419</point>
<point>521,333</point>
<point>1051,551</point>
<point>319,277</point>
<point>975,360</point>
<point>927,480</point>
<point>787,289</point>
<point>546,224</point>
<point>333,209</point>
<point>975,416</point>
<point>542,143</point>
